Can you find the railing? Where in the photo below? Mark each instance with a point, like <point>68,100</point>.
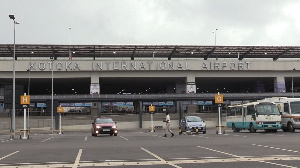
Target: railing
<point>190,96</point>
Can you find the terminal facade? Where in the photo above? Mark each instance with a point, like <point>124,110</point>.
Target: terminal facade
<point>129,78</point>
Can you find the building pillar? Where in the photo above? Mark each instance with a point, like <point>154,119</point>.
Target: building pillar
<point>279,84</point>
<point>99,109</point>
<point>141,114</point>
<point>95,86</point>
<point>191,84</point>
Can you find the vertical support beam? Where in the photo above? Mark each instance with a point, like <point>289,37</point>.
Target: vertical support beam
<point>279,84</point>
<point>191,84</point>
<point>141,114</point>
<point>99,109</point>
<point>95,86</point>
<point>180,110</point>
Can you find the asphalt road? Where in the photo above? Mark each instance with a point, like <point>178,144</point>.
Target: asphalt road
<point>141,148</point>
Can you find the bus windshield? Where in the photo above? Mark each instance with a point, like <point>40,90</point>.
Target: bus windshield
<point>267,109</point>
<point>295,107</point>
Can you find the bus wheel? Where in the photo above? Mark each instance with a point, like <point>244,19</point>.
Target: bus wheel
<point>235,129</point>
<point>252,129</point>
<point>291,127</point>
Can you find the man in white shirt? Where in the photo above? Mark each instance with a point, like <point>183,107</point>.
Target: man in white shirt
<point>168,120</point>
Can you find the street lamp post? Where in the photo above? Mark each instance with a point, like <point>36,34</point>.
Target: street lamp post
<point>28,95</point>
<point>70,53</point>
<point>13,117</point>
<point>52,95</point>
<point>215,32</point>
<point>293,82</point>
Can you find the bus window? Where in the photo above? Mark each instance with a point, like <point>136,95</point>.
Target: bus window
<point>239,111</point>
<point>286,108</point>
<point>250,110</point>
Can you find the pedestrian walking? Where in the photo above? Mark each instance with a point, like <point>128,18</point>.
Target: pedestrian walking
<point>168,120</point>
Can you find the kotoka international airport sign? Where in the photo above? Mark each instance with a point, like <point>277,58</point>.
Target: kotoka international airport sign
<point>137,65</point>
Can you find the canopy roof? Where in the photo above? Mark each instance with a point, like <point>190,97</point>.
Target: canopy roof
<point>149,51</point>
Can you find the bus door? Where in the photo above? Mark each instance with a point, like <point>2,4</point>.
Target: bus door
<point>244,116</point>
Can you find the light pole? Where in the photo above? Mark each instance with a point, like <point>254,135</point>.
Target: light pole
<point>28,95</point>
<point>215,32</point>
<point>293,82</point>
<point>52,95</point>
<point>13,117</point>
<point>70,54</point>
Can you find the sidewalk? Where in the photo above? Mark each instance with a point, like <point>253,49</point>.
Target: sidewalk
<point>83,122</point>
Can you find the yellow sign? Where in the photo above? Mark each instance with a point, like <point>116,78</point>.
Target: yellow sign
<point>151,108</point>
<point>25,99</point>
<point>218,98</point>
<point>60,109</point>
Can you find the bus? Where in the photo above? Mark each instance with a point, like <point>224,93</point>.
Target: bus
<point>289,109</point>
<point>254,116</point>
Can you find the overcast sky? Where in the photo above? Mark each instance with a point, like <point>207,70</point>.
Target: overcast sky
<point>152,22</point>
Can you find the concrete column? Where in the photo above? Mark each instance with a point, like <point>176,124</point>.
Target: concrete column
<point>141,114</point>
<point>95,86</point>
<point>99,109</point>
<point>191,84</point>
<point>279,84</point>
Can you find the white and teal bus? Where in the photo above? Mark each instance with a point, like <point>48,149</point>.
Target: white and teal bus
<point>290,112</point>
<point>254,116</point>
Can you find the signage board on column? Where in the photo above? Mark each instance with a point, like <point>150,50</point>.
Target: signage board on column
<point>151,109</point>
<point>218,99</point>
<point>25,99</point>
<point>95,88</point>
<point>60,109</point>
<point>191,87</point>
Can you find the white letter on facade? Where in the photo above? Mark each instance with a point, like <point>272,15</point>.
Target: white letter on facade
<point>42,66</point>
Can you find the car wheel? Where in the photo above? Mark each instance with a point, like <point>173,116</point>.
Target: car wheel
<point>291,127</point>
<point>252,129</point>
<point>204,132</point>
<point>115,134</point>
<point>111,134</point>
<point>284,129</point>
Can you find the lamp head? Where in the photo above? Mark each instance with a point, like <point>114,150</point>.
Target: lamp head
<point>12,17</point>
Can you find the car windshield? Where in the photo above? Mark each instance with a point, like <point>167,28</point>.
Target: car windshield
<point>267,109</point>
<point>295,107</point>
<point>194,119</point>
<point>104,121</point>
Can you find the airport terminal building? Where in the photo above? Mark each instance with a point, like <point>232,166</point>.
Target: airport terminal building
<point>129,78</point>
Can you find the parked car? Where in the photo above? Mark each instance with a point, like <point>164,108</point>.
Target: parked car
<point>104,126</point>
<point>193,124</point>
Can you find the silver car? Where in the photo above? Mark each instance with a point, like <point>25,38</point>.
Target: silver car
<point>192,124</point>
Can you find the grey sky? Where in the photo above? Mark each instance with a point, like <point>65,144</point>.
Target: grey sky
<point>152,22</point>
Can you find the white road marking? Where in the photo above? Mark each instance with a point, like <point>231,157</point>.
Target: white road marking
<point>260,159</point>
<point>9,155</point>
<point>124,138</point>
<point>77,159</point>
<point>159,158</point>
<point>149,162</point>
<point>271,147</point>
<point>85,139</point>
<point>46,139</point>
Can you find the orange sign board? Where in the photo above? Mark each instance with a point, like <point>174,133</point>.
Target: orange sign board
<point>218,98</point>
<point>25,99</point>
<point>151,108</point>
<point>60,109</point>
